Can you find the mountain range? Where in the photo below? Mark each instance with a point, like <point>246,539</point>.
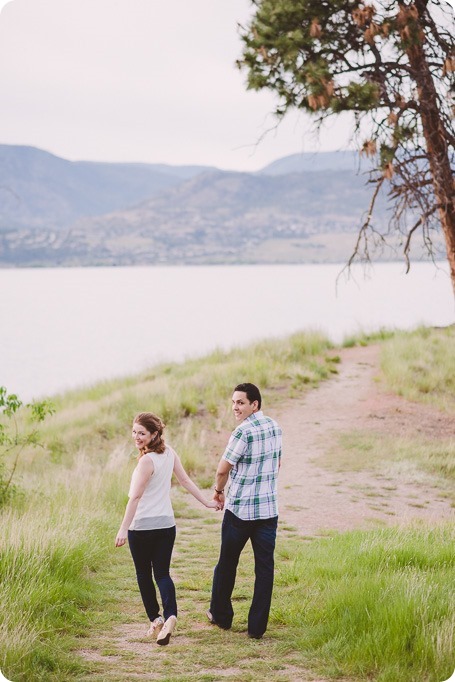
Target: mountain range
<point>301,208</point>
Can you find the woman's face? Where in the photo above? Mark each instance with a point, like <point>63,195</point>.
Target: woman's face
<point>142,438</point>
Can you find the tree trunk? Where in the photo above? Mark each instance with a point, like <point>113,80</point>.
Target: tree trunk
<point>437,149</point>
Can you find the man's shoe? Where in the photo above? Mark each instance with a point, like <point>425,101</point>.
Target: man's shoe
<point>213,621</point>
<point>155,627</point>
<point>167,630</point>
<point>251,636</point>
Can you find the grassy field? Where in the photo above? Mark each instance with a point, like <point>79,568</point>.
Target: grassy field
<point>420,367</point>
<point>193,399</point>
<point>373,605</point>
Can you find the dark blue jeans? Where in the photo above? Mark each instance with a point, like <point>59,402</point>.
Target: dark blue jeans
<point>234,535</point>
<point>151,551</point>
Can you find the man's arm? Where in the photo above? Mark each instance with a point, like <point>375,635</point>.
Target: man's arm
<point>221,478</point>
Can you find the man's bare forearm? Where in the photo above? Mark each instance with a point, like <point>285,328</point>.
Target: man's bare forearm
<point>220,481</point>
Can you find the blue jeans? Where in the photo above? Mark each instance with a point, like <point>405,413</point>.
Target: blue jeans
<point>234,535</point>
<point>151,551</point>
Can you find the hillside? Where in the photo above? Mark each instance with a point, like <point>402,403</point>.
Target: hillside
<point>40,190</point>
<point>302,208</point>
<point>313,161</point>
<point>366,494</point>
<point>227,217</point>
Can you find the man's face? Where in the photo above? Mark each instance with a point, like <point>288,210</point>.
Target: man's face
<point>242,407</point>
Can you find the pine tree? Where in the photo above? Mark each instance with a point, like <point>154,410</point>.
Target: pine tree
<point>390,63</point>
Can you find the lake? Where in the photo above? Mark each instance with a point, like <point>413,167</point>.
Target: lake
<point>67,328</point>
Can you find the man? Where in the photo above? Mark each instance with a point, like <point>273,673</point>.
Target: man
<point>251,461</point>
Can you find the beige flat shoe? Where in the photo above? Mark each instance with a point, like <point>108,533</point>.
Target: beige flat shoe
<point>155,627</point>
<point>168,628</point>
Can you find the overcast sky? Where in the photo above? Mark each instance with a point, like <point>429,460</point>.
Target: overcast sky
<point>140,80</point>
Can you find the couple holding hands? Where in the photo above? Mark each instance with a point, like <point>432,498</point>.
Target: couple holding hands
<point>250,463</point>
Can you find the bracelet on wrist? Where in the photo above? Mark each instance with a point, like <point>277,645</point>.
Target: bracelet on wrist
<point>218,492</point>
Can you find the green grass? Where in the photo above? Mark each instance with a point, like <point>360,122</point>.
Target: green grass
<point>364,339</point>
<point>416,458</point>
<point>54,538</point>
<point>190,397</point>
<point>50,550</point>
<point>421,366</point>
<point>371,605</point>
<point>374,605</point>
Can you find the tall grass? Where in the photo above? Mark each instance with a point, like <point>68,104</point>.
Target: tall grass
<point>100,417</point>
<point>388,455</point>
<point>369,605</point>
<point>363,339</point>
<point>59,532</point>
<point>50,546</point>
<point>421,366</point>
<point>365,605</point>
<point>374,605</point>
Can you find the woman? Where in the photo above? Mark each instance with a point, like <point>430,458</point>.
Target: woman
<point>149,522</point>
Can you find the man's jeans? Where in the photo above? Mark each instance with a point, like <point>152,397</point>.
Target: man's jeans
<point>152,550</point>
<point>234,535</point>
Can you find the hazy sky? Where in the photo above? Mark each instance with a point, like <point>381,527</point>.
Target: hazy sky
<point>140,80</point>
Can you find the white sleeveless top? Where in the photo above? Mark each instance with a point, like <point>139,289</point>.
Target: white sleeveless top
<point>155,507</point>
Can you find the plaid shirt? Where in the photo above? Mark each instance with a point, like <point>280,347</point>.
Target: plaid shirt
<point>254,450</point>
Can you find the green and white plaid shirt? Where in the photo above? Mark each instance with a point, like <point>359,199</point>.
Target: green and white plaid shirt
<point>254,450</point>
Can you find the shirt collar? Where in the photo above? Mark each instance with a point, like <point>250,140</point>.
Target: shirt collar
<point>255,415</point>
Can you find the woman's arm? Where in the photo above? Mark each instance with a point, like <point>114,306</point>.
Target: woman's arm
<point>144,471</point>
<point>188,484</point>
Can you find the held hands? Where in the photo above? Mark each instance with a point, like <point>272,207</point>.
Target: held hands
<point>214,504</point>
<point>219,499</point>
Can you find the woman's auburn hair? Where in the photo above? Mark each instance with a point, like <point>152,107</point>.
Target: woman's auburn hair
<point>152,423</point>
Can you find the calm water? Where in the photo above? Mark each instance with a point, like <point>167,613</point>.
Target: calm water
<point>69,327</point>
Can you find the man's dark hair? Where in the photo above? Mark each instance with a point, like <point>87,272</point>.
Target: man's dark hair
<point>252,393</point>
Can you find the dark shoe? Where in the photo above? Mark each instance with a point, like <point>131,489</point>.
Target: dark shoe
<point>251,636</point>
<point>213,621</point>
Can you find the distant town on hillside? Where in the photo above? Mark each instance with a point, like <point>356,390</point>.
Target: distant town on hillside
<point>303,208</point>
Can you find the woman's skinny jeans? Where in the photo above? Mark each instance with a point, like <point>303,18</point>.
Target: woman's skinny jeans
<point>151,551</point>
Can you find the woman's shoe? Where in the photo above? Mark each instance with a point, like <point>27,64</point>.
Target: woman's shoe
<point>155,627</point>
<point>166,632</point>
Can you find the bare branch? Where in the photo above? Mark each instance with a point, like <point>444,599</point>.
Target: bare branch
<point>366,225</point>
<point>407,246</point>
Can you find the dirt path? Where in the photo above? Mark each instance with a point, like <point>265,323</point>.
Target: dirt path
<point>315,497</point>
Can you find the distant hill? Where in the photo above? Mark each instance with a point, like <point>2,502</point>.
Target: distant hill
<point>227,217</point>
<point>38,189</point>
<point>310,162</point>
<point>302,208</point>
